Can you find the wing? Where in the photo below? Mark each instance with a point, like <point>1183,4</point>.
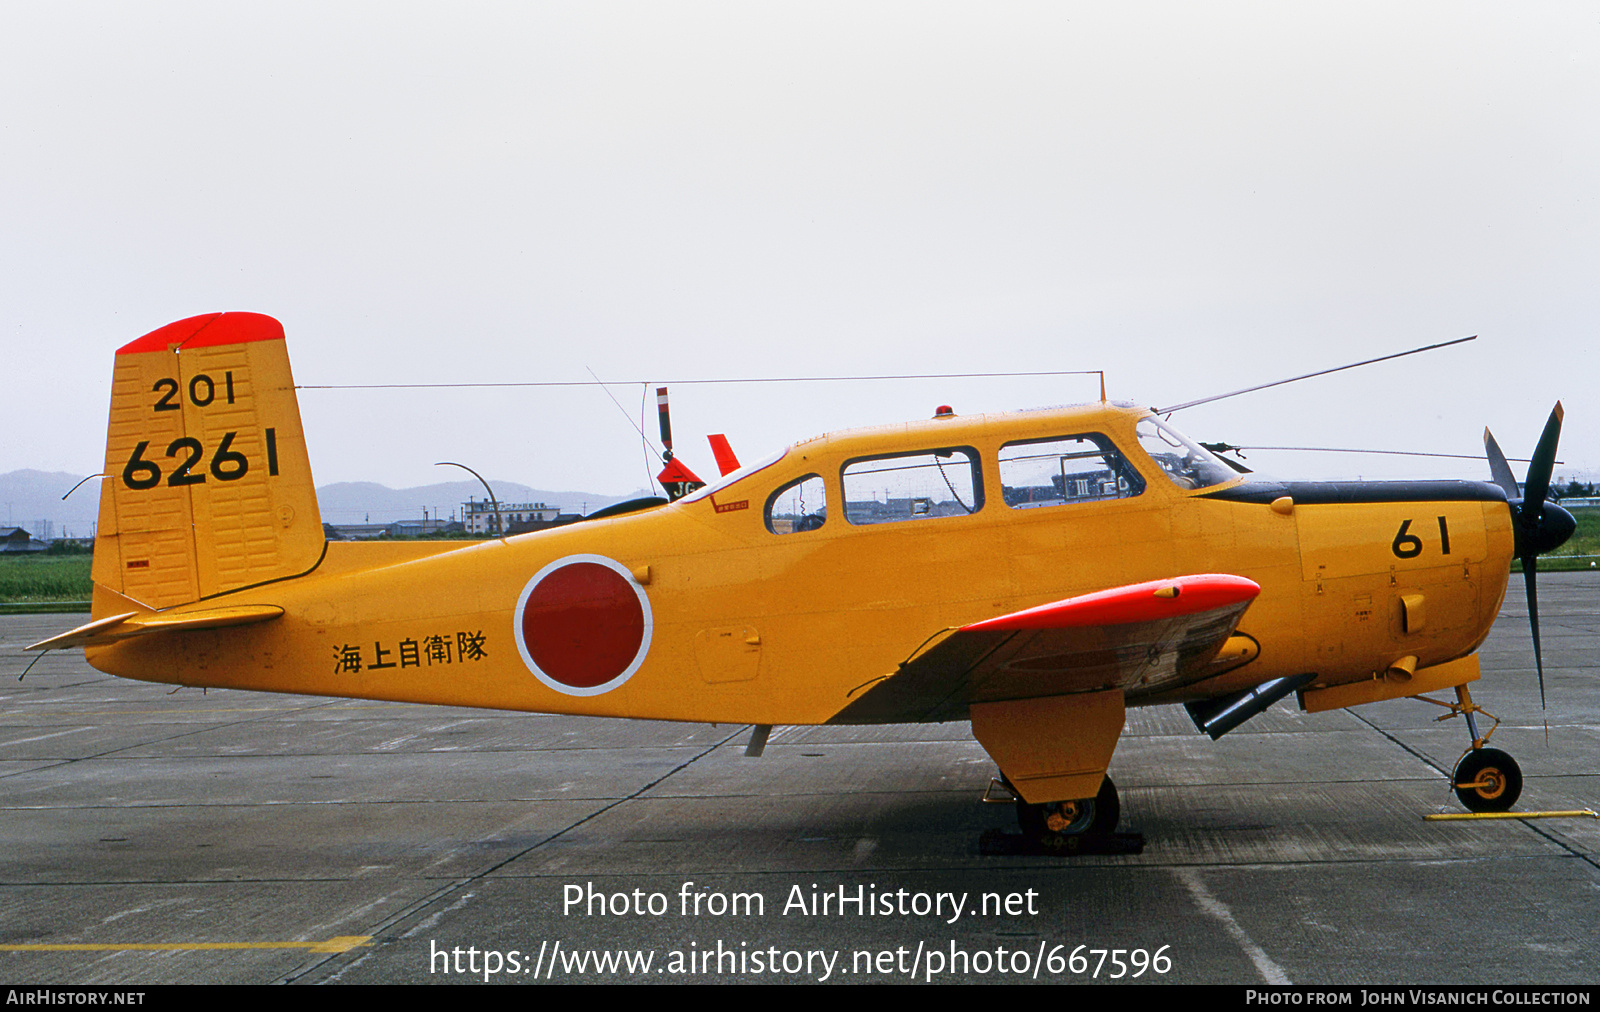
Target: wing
<point>1143,637</point>
<point>727,463</point>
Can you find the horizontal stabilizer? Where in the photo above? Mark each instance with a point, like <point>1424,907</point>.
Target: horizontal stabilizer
<point>121,627</point>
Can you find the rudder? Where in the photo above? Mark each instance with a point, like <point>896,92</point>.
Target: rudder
<point>207,483</point>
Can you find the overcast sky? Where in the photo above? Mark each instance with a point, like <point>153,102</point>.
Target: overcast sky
<point>1192,197</point>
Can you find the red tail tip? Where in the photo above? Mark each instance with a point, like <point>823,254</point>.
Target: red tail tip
<point>207,330</point>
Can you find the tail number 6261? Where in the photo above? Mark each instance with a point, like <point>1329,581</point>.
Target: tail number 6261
<point>227,464</point>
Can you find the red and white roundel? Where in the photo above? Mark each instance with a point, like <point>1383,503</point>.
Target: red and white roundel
<point>583,625</point>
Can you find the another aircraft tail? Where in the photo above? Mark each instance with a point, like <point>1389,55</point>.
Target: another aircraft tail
<point>207,485</point>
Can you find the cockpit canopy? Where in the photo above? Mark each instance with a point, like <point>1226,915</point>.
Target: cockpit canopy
<point>1090,461</point>
<point>1186,463</point>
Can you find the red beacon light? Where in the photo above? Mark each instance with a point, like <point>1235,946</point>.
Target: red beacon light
<point>944,411</point>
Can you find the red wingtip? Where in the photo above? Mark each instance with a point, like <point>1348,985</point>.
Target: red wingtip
<point>1139,602</point>
<point>207,330</point>
<point>727,463</point>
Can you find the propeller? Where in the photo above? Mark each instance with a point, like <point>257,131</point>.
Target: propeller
<point>1540,527</point>
<point>676,477</point>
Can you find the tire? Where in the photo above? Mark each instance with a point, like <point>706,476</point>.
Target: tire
<point>1501,777</point>
<point>1075,820</point>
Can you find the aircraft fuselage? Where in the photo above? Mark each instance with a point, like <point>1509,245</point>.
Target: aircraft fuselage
<point>733,606</point>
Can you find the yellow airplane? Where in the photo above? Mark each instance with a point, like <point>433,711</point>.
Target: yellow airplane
<point>1036,572</point>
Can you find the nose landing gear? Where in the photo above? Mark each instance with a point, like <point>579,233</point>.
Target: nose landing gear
<point>1485,779</point>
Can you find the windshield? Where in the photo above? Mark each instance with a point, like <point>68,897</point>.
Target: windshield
<point>1186,463</point>
<point>733,476</point>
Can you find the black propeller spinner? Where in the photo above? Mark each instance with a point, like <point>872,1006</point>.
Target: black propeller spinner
<point>1540,527</point>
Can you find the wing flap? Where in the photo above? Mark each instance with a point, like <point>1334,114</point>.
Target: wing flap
<point>1142,637</point>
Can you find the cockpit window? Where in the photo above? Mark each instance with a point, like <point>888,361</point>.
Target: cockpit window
<point>1052,472</point>
<point>912,486</point>
<point>1186,463</point>
<point>800,506</point>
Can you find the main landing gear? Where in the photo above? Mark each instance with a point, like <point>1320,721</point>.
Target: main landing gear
<point>1068,825</point>
<point>1485,779</point>
<point>1084,826</point>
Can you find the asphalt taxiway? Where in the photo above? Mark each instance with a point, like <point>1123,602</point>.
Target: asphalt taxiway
<point>150,836</point>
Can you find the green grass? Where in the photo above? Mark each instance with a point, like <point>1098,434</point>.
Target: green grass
<point>41,578</point>
<point>1585,540</point>
<point>1557,564</point>
<point>43,607</point>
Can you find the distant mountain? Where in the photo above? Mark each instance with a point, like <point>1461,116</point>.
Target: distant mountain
<point>30,499</point>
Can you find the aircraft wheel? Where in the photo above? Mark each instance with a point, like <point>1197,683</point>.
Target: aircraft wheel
<point>1497,776</point>
<point>1063,825</point>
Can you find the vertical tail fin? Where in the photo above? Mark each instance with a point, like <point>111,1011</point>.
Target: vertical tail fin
<point>208,486</point>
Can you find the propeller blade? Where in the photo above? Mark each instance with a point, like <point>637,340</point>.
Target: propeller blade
<point>1539,527</point>
<point>1499,469</point>
<point>1544,460</point>
<point>1530,574</point>
<point>666,421</point>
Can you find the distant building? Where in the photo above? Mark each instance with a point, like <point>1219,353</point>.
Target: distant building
<point>422,528</point>
<point>354,532</point>
<point>398,529</point>
<point>870,511</point>
<point>15,540</point>
<point>485,518</point>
